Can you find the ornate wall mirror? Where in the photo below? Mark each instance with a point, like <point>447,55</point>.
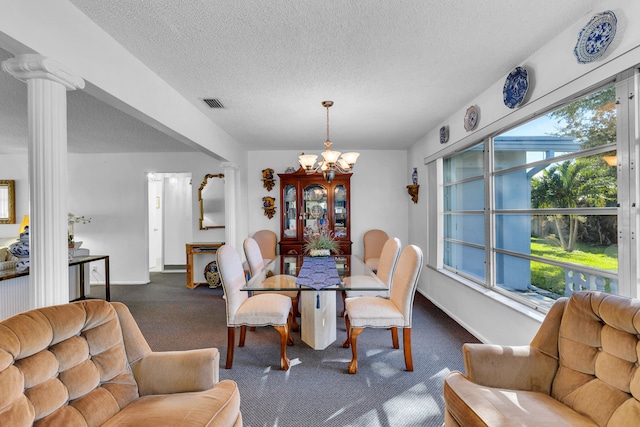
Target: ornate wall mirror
<point>7,202</point>
<point>211,197</point>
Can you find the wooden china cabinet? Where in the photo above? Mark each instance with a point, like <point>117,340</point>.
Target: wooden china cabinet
<point>306,203</point>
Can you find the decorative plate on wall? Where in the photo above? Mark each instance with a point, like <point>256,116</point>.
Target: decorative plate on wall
<point>471,118</point>
<point>515,87</point>
<point>444,134</point>
<point>595,37</point>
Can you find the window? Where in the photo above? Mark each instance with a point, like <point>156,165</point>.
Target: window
<point>534,212</point>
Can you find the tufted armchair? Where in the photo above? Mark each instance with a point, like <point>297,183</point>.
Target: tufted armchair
<point>87,364</point>
<point>581,369</point>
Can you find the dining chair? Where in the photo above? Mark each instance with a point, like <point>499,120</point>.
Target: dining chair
<point>373,241</point>
<point>386,267</point>
<point>268,309</point>
<point>392,313</point>
<point>256,264</point>
<point>268,242</point>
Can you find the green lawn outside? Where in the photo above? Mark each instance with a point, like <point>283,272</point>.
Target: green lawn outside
<point>551,278</point>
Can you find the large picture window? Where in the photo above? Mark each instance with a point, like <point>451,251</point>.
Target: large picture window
<point>534,212</point>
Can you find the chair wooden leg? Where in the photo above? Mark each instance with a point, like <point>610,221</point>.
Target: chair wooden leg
<point>289,323</point>
<point>353,365</point>
<point>294,324</point>
<point>284,336</point>
<point>394,337</point>
<point>243,335</point>
<point>347,322</point>
<point>344,307</point>
<point>406,338</point>
<point>231,332</point>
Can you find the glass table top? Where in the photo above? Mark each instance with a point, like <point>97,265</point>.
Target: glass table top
<point>353,274</point>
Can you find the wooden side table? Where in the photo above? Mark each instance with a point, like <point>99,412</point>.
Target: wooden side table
<point>206,248</point>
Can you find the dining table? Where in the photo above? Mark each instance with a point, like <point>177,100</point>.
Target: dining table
<point>318,279</point>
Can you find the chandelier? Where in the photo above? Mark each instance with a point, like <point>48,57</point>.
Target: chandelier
<point>331,162</point>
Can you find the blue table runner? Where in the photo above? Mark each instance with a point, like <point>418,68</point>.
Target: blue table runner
<point>318,273</point>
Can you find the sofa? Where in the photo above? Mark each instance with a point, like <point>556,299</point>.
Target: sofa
<point>580,369</point>
<point>87,364</point>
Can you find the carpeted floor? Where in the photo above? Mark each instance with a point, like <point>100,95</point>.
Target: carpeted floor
<point>316,391</point>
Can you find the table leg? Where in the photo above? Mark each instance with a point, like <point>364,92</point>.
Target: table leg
<point>81,280</point>
<point>318,323</point>
<point>107,289</point>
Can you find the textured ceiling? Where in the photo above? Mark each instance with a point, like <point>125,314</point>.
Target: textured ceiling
<point>395,69</point>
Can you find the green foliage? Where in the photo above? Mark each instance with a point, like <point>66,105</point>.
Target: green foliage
<point>322,239</point>
<point>590,120</point>
<point>551,278</point>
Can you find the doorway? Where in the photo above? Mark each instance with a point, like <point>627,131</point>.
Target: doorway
<point>170,220</point>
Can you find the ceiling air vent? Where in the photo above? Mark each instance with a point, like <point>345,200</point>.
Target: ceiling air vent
<point>213,102</point>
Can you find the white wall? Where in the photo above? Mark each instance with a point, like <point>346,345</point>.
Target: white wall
<point>555,75</point>
<point>112,190</point>
<point>379,197</point>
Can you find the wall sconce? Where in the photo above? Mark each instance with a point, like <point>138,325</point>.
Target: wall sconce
<point>267,178</point>
<point>268,204</point>
<point>413,192</point>
<point>414,187</point>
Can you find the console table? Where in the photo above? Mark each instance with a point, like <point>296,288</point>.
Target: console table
<point>81,260</point>
<point>203,248</point>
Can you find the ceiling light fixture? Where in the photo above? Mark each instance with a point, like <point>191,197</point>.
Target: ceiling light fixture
<point>331,160</point>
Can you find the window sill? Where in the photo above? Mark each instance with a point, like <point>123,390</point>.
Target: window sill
<point>531,311</point>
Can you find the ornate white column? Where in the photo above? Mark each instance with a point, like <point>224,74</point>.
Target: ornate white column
<point>47,83</point>
<point>231,205</point>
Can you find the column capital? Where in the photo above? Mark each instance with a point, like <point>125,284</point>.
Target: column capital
<point>34,66</point>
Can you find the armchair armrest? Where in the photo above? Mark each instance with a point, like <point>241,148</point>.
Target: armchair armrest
<point>177,371</point>
<point>512,367</point>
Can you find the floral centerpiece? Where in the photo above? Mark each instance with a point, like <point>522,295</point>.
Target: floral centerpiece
<point>72,220</point>
<point>320,242</point>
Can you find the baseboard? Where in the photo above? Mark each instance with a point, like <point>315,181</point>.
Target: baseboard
<point>455,318</point>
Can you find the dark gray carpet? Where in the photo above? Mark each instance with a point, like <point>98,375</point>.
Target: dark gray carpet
<point>316,391</point>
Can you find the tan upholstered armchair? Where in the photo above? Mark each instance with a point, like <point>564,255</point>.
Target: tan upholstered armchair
<point>581,369</point>
<point>87,364</point>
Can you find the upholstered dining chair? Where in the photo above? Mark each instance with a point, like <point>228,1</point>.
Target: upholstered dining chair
<point>373,241</point>
<point>392,313</point>
<point>256,264</point>
<point>386,267</point>
<point>268,309</point>
<point>267,241</point>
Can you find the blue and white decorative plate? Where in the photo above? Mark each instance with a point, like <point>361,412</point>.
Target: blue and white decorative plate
<point>515,87</point>
<point>444,134</point>
<point>595,37</point>
<point>471,118</point>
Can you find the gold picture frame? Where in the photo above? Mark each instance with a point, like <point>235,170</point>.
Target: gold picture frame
<point>7,201</point>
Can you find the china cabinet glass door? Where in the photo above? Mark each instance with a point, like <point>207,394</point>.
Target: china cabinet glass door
<point>314,204</point>
<point>340,215</point>
<point>290,213</point>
